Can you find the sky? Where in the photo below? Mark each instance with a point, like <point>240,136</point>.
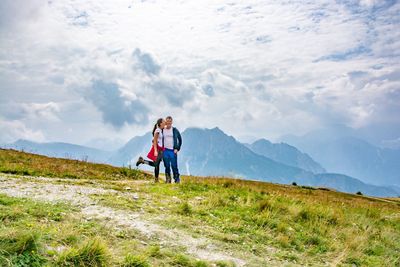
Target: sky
<point>92,72</point>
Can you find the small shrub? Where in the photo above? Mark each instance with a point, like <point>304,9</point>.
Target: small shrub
<point>135,261</point>
<point>359,193</point>
<point>294,184</point>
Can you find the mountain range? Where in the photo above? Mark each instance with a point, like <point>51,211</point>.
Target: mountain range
<point>352,156</point>
<point>210,152</point>
<point>285,154</point>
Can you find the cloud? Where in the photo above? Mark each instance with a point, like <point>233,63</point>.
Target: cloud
<point>175,90</point>
<point>361,98</point>
<point>115,109</point>
<point>351,53</point>
<point>262,67</point>
<point>31,111</point>
<point>221,83</point>
<point>394,144</point>
<point>145,62</point>
<point>16,12</point>
<point>377,4</point>
<point>14,129</point>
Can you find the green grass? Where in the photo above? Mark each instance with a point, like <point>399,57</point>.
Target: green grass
<point>42,234</point>
<point>303,226</point>
<point>251,220</point>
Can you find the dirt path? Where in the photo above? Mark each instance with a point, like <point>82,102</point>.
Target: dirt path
<point>43,189</point>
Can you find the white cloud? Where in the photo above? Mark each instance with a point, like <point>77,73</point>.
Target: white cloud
<point>31,111</point>
<point>13,130</point>
<point>261,67</point>
<point>46,111</point>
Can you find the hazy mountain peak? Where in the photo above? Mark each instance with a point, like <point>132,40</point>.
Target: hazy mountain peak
<point>261,141</point>
<point>204,130</point>
<point>286,154</point>
<point>24,141</point>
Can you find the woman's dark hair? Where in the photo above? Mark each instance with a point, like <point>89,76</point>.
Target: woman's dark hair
<point>158,123</point>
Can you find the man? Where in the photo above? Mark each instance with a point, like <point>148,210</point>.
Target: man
<point>172,145</point>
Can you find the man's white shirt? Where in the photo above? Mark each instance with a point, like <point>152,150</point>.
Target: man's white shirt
<point>168,138</point>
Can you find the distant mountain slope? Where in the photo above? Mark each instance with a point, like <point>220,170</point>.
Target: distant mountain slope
<point>212,152</point>
<point>61,150</point>
<point>285,154</point>
<point>348,184</point>
<point>352,156</point>
<point>105,144</point>
<point>128,154</point>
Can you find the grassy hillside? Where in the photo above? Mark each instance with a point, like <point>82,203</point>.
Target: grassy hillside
<point>262,223</point>
<point>15,162</point>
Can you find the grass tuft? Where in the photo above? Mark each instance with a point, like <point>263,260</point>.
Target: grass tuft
<point>181,260</point>
<point>154,251</point>
<point>185,209</point>
<point>265,205</point>
<point>20,242</point>
<point>92,253</point>
<point>135,261</point>
<point>21,249</point>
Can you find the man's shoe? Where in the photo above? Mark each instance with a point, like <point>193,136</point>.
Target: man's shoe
<point>139,161</point>
<point>168,178</point>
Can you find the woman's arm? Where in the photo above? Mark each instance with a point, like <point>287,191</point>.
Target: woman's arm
<point>155,138</point>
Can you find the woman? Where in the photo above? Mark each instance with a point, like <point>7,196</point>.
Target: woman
<point>156,152</point>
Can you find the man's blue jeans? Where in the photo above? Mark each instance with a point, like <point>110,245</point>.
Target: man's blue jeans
<point>171,160</point>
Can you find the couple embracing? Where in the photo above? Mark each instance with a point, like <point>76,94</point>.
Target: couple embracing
<point>167,142</point>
